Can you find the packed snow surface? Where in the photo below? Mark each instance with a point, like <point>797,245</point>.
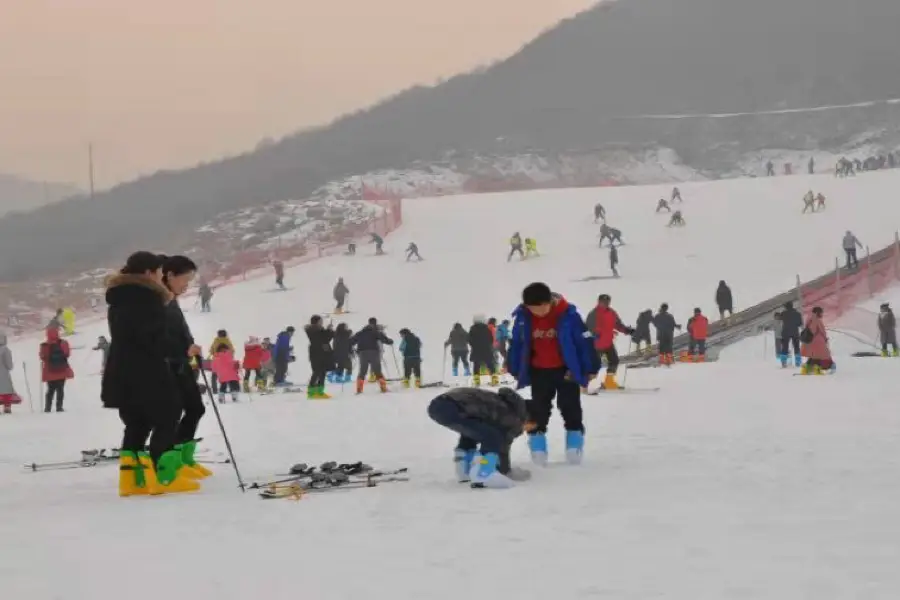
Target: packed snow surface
<point>736,480</point>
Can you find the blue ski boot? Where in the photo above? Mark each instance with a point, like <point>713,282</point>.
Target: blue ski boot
<point>484,473</point>
<point>784,360</point>
<point>462,459</point>
<point>574,447</point>
<point>798,360</point>
<point>456,371</point>
<point>537,444</point>
<point>348,377</point>
<point>467,372</point>
<point>330,377</point>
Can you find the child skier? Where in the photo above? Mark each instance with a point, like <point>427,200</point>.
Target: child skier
<point>225,368</point>
<point>412,251</point>
<point>662,205</point>
<point>253,362</point>
<point>487,424</point>
<point>531,248</point>
<point>551,351</point>
<point>411,349</point>
<point>458,342</point>
<point>677,219</point>
<point>698,329</point>
<point>221,338</point>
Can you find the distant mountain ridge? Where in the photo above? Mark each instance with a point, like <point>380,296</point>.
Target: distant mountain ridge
<point>20,194</point>
<point>573,87</point>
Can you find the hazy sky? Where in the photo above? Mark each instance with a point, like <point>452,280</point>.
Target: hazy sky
<point>168,83</point>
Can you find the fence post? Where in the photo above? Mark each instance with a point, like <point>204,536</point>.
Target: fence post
<point>869,271</point>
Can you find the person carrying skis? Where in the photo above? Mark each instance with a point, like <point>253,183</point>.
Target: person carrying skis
<point>724,300</point>
<point>599,213</point>
<point>850,244</point>
<point>665,334</point>
<point>366,342</point>
<point>340,294</point>
<point>698,330</point>
<point>281,356</point>
<point>379,243</point>
<point>412,251</point>
<point>551,351</point>
<point>279,273</point>
<point>791,324</point>
<point>411,350</point>
<point>343,371</point>
<point>481,341</point>
<point>642,330</point>
<point>887,329</point>
<point>606,323</point>
<point>321,357</point>
<point>487,423</point>
<point>515,246</point>
<point>614,260</point>
<point>458,342</point>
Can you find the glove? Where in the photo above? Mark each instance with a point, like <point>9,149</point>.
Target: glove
<point>630,331</point>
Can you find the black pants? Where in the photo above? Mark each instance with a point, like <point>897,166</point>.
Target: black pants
<point>412,367</point>
<point>790,341</point>
<point>460,356</point>
<point>852,261</point>
<point>256,372</point>
<point>612,359</point>
<point>642,337</point>
<point>479,361</point>
<point>281,366</point>
<point>319,372</point>
<point>279,280</point>
<point>666,342</point>
<point>55,389</point>
<point>340,304</point>
<point>369,359</point>
<point>214,382</point>
<point>343,364</point>
<point>514,250</point>
<point>889,338</point>
<point>547,383</point>
<point>192,405</point>
<point>723,310</point>
<point>697,346</point>
<point>158,422</point>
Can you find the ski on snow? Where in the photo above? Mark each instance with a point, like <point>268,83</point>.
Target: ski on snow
<point>104,456</point>
<point>623,390</point>
<point>303,479</point>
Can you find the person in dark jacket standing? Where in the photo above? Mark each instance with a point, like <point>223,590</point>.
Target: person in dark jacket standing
<point>642,329</point>
<point>724,300</point>
<point>281,355</point>
<point>411,350</point>
<point>321,357</point>
<point>139,382</point>
<point>178,272</point>
<point>887,328</point>
<point>458,342</point>
<point>614,260</point>
<point>343,359</point>
<point>366,342</point>
<point>340,295</point>
<point>481,340</point>
<point>665,334</point>
<point>791,324</point>
<point>486,419</point>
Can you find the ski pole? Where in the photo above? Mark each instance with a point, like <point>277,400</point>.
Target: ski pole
<point>396,364</point>
<point>212,401</point>
<point>28,386</point>
<point>444,365</point>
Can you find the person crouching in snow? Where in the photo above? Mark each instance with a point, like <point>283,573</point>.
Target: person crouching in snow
<point>552,351</point>
<point>814,345</point>
<point>487,423</point>
<point>253,362</point>
<point>225,369</point>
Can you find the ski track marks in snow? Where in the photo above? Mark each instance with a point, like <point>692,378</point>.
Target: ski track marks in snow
<point>735,481</point>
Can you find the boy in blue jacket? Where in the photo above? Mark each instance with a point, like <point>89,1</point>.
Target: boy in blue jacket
<point>552,351</point>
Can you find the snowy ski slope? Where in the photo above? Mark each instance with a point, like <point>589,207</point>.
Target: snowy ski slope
<point>735,481</point>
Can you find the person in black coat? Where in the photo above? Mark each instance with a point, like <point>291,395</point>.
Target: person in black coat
<point>481,341</point>
<point>321,356</point>
<point>343,357</point>
<point>411,349</point>
<point>724,300</point>
<point>366,342</point>
<point>642,329</point>
<point>178,273</point>
<point>791,324</point>
<point>138,380</point>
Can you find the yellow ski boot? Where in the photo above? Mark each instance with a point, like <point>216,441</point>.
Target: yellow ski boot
<point>372,378</point>
<point>476,379</point>
<point>804,369</point>
<point>167,478</point>
<point>495,380</point>
<point>405,384</point>
<point>131,475</point>
<point>190,467</point>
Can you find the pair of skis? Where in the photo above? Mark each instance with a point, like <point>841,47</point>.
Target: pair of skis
<point>110,456</point>
<point>329,476</point>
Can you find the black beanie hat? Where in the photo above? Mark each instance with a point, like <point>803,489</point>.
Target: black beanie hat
<point>536,294</point>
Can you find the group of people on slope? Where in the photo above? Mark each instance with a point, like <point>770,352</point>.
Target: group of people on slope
<point>485,344</point>
<point>807,339</point>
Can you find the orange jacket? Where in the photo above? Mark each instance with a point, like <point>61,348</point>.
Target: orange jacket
<point>698,327</point>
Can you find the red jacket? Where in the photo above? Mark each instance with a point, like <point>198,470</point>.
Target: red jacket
<point>545,350</point>
<point>49,373</point>
<point>606,325</point>
<point>698,327</point>
<point>253,356</point>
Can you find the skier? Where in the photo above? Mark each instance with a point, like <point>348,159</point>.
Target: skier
<point>599,213</point>
<point>698,329</point>
<point>279,273</point>
<point>531,248</point>
<point>820,201</point>
<point>662,205</point>
<point>811,166</point>
<point>411,350</point>
<point>770,169</point>
<point>642,330</point>
<point>676,220</point>
<point>815,345</point>
<point>676,195</point>
<point>340,294</point>
<point>665,326</point>
<point>267,368</point>
<point>366,342</point>
<point>281,356</point>
<point>791,323</point>
<point>351,249</point>
<point>481,340</point>
<point>610,233</point>
<point>8,395</point>
<point>102,346</point>
<point>606,323</point>
<point>68,321</point>
<point>458,342</point>
<point>515,246</point>
<point>501,342</point>
<point>379,243</point>
<point>206,294</point>
<point>724,300</point>
<point>55,370</point>
<point>321,357</point>
<point>252,365</point>
<point>809,202</point>
<point>221,338</point>
<point>551,351</point>
<point>613,260</point>
<point>412,251</point>
<point>850,243</point>
<point>343,360</point>
<point>887,328</point>
<point>225,368</point>
<point>57,321</point>
<point>487,424</point>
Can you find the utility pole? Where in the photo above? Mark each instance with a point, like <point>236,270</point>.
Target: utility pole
<point>91,169</point>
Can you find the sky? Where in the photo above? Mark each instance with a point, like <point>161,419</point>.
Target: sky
<point>171,83</point>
